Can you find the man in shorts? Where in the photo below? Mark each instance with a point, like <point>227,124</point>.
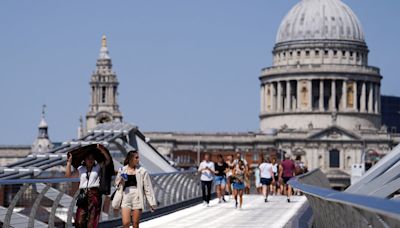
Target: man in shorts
<point>286,171</point>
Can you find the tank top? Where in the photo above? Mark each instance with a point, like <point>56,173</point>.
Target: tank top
<point>131,181</point>
<point>239,174</point>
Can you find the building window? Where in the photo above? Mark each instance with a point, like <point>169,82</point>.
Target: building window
<point>334,158</point>
<point>326,52</point>
<point>316,53</point>
<point>307,53</point>
<point>298,53</point>
<point>103,94</point>
<point>335,53</point>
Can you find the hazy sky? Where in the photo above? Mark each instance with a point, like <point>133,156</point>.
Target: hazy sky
<point>182,65</point>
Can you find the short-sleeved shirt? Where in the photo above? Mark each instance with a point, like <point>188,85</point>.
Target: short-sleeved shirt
<point>206,175</point>
<point>94,177</point>
<point>288,168</point>
<point>265,170</point>
<point>221,169</point>
<point>236,161</point>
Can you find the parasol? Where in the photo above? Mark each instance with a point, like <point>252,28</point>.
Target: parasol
<point>79,154</point>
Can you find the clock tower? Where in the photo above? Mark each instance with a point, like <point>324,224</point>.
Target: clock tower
<point>104,91</point>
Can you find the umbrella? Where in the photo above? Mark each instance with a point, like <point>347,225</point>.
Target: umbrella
<point>79,154</point>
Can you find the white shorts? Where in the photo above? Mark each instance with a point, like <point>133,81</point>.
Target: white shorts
<point>130,198</point>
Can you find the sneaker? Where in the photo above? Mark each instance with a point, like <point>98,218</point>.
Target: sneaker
<point>208,205</point>
<point>288,200</point>
<point>204,203</point>
<point>219,201</point>
<point>223,199</point>
<point>265,200</point>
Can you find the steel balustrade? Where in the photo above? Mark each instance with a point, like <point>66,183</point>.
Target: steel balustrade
<point>51,202</point>
<point>341,209</point>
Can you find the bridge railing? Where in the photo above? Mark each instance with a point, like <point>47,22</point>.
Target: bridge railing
<point>52,202</point>
<point>339,209</point>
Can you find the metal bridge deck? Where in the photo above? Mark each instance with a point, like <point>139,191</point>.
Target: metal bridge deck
<point>255,213</point>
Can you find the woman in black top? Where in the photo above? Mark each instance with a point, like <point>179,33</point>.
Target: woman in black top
<point>220,178</point>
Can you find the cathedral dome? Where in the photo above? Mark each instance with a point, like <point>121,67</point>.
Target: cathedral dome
<point>320,20</point>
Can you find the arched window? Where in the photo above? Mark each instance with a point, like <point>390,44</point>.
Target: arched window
<point>334,158</point>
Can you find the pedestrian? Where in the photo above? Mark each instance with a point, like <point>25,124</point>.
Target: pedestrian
<point>207,170</point>
<point>137,187</point>
<point>275,188</point>
<point>266,177</point>
<point>246,177</point>
<point>300,166</point>
<point>257,175</point>
<point>239,173</point>
<point>229,162</point>
<point>90,197</point>
<point>286,171</point>
<point>220,178</point>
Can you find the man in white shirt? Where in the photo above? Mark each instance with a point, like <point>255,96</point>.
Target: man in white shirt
<point>207,170</point>
<point>266,177</point>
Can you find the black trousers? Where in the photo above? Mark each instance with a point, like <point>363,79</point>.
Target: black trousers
<point>206,195</point>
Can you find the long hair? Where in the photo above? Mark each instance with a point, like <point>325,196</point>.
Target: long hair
<point>129,156</point>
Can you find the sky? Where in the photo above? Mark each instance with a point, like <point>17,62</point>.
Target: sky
<point>189,66</point>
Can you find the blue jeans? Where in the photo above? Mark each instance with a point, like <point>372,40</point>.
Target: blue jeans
<point>220,180</point>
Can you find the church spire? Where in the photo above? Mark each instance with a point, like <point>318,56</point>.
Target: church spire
<point>42,143</point>
<point>104,91</point>
<point>104,49</point>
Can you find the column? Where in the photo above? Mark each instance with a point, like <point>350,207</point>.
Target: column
<point>262,102</point>
<point>362,100</point>
<point>279,96</point>
<point>298,95</point>
<point>355,97</point>
<point>321,95</point>
<point>333,96</point>
<point>273,98</point>
<point>288,96</point>
<point>344,95</point>
<point>310,95</point>
<point>370,98</point>
<point>377,99</point>
<point>109,95</point>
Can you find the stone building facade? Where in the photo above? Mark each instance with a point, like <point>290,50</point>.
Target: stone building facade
<point>320,99</point>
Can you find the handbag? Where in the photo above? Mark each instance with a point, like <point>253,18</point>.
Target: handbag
<point>82,199</point>
<point>116,197</point>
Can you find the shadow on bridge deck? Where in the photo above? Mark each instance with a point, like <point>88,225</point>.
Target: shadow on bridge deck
<point>255,213</point>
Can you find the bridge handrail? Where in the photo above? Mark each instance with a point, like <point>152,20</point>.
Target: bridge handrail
<point>39,181</point>
<point>58,196</point>
<point>373,210</point>
<point>373,204</point>
<point>68,180</point>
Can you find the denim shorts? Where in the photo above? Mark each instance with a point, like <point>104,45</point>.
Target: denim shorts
<point>266,181</point>
<point>220,180</point>
<point>238,186</point>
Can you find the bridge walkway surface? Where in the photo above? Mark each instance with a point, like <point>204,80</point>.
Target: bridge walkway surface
<point>255,213</point>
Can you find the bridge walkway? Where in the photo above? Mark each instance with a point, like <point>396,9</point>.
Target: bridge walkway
<point>255,213</point>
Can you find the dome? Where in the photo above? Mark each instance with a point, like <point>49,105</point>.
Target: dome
<point>320,20</point>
